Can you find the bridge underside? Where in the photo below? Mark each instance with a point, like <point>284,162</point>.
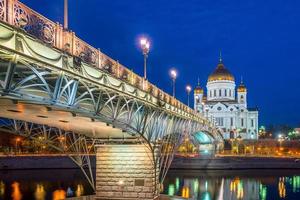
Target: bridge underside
<point>62,119</point>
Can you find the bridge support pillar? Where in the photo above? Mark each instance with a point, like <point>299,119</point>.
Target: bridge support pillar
<point>126,171</point>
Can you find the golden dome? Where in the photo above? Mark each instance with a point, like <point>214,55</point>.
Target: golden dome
<point>198,90</point>
<point>221,74</point>
<point>242,88</point>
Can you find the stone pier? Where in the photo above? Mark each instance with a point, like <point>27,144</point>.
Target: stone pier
<point>126,171</point>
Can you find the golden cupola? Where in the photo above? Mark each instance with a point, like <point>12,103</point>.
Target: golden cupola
<point>198,89</point>
<point>221,73</point>
<point>242,87</point>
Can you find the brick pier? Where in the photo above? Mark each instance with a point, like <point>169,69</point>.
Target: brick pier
<point>126,171</point>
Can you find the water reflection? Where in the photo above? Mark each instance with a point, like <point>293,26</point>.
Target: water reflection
<point>40,193</point>
<point>79,191</point>
<point>16,192</point>
<point>212,186</point>
<point>296,183</point>
<point>70,192</point>
<point>281,188</point>
<point>43,184</point>
<point>2,189</point>
<point>262,192</point>
<point>59,195</point>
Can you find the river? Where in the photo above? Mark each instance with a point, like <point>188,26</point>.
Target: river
<point>202,185</point>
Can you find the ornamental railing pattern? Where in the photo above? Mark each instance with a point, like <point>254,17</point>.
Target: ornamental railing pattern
<point>17,14</point>
<point>3,10</point>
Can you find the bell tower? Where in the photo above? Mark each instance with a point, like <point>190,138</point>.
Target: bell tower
<point>198,98</point>
<point>242,94</point>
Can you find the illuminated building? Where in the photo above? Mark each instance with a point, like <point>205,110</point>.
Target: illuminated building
<point>225,107</point>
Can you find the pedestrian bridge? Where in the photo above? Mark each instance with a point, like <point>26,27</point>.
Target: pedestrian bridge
<point>66,94</point>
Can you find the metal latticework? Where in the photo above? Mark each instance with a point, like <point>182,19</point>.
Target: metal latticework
<point>76,146</point>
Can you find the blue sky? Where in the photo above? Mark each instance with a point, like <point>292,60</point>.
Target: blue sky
<point>260,40</point>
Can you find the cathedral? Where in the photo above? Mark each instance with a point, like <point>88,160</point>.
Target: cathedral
<point>226,107</point>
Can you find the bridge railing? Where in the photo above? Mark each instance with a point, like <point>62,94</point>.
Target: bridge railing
<point>17,14</point>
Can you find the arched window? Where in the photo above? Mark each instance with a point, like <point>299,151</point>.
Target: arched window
<point>220,92</point>
<point>225,93</point>
<point>242,98</point>
<point>230,93</point>
<point>215,93</point>
<point>209,93</point>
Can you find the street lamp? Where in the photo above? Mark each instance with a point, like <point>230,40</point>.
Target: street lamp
<point>17,141</point>
<point>173,74</point>
<point>66,15</point>
<point>188,89</point>
<point>145,45</point>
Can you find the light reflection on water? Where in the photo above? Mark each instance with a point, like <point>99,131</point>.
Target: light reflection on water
<point>42,184</point>
<point>234,185</point>
<point>203,185</point>
<point>16,193</point>
<point>40,192</point>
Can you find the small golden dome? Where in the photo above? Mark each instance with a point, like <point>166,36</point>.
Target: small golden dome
<point>242,88</point>
<point>221,74</point>
<point>198,90</point>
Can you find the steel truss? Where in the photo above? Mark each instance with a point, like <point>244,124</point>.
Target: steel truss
<point>76,146</point>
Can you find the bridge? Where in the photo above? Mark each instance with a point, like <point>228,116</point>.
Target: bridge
<point>60,91</point>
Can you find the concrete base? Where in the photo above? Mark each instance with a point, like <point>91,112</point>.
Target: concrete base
<point>126,172</point>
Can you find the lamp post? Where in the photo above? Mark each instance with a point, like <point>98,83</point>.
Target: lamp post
<point>17,142</point>
<point>66,15</point>
<point>173,74</point>
<point>188,89</point>
<point>145,45</point>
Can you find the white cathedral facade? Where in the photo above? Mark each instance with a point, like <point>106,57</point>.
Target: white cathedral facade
<point>225,106</point>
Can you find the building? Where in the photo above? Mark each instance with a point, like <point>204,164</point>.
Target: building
<point>225,106</point>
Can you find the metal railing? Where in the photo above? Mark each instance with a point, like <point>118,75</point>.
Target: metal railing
<point>17,14</point>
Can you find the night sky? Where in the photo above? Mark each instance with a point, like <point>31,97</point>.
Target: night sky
<point>259,40</point>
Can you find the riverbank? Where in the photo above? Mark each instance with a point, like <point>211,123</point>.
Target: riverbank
<point>228,163</point>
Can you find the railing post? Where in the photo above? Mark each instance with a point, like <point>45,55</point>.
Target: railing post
<point>68,41</point>
<point>73,48</point>
<point>99,59</point>
<point>59,36</point>
<point>10,11</point>
<point>118,69</point>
